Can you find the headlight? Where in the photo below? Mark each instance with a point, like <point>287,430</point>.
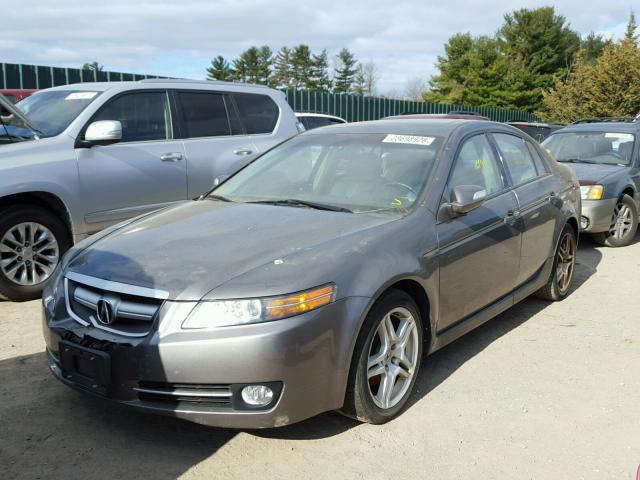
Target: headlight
<point>221,313</point>
<point>591,192</point>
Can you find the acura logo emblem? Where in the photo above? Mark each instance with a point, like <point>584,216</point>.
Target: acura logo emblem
<point>105,312</point>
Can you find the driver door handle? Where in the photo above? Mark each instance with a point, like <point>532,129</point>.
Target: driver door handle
<point>171,157</point>
<point>243,151</point>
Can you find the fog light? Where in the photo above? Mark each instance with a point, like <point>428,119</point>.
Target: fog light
<point>584,223</point>
<point>257,395</point>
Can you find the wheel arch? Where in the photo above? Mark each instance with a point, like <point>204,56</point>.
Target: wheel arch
<point>44,200</point>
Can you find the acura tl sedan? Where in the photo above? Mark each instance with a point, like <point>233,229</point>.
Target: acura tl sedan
<point>318,276</point>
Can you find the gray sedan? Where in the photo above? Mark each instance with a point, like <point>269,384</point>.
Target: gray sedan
<point>317,277</point>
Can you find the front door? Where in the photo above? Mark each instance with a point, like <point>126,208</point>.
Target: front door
<point>479,251</point>
<point>141,173</point>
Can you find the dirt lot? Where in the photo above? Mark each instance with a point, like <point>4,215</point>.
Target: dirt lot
<point>541,392</point>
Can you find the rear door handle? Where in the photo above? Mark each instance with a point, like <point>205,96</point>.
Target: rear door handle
<point>171,157</point>
<point>243,151</point>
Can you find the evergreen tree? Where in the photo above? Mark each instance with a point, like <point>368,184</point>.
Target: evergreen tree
<point>592,46</point>
<point>607,87</point>
<point>93,66</point>
<point>345,71</point>
<point>319,72</point>
<point>219,69</point>
<point>301,66</point>
<point>282,76</point>
<point>253,65</point>
<point>359,85</point>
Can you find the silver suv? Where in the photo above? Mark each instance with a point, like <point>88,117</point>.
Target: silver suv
<point>79,158</point>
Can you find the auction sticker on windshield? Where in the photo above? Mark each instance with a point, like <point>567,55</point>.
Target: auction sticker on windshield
<point>81,96</point>
<point>408,139</point>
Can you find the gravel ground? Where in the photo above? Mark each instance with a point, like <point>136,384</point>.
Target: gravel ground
<point>544,391</point>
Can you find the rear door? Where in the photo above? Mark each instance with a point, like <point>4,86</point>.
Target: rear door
<point>214,140</point>
<point>536,190</point>
<point>479,251</point>
<point>143,172</point>
<point>260,116</point>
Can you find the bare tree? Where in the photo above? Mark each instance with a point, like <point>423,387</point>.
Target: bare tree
<point>415,87</point>
<point>370,74</point>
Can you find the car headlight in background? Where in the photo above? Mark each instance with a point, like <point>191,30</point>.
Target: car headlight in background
<point>591,192</point>
<point>223,313</point>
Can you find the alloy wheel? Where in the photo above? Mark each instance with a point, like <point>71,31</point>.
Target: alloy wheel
<point>566,262</point>
<point>622,221</point>
<point>29,253</point>
<point>392,359</point>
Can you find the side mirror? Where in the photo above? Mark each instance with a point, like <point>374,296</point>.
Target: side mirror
<point>466,198</point>
<point>103,132</point>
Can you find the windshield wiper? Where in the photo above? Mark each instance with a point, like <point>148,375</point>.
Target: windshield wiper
<point>304,203</point>
<point>578,160</point>
<point>219,197</point>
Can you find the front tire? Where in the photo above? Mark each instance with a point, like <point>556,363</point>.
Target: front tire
<point>386,360</point>
<point>624,225</point>
<point>32,241</point>
<point>564,263</point>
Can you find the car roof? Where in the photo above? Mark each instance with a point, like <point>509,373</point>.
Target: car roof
<point>623,127</point>
<point>432,116</point>
<point>319,115</point>
<point>164,83</point>
<point>436,126</point>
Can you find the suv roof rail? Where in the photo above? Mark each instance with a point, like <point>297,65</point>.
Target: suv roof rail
<point>605,120</point>
<point>200,82</point>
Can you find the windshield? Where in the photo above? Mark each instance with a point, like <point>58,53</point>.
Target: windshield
<point>50,111</point>
<point>610,148</point>
<point>354,172</point>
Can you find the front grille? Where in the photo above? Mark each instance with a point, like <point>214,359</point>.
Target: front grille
<point>185,395</point>
<point>118,308</point>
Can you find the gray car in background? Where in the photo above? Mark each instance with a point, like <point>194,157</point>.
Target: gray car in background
<point>605,157</point>
<point>105,152</point>
<point>316,277</point>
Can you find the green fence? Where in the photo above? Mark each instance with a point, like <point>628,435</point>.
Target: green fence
<point>352,108</point>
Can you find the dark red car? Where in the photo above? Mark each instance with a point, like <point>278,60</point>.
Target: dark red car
<point>16,95</point>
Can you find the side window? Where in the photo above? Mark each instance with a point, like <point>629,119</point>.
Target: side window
<point>541,164</point>
<point>144,116</point>
<point>516,157</point>
<point>476,165</point>
<point>204,114</point>
<point>258,112</point>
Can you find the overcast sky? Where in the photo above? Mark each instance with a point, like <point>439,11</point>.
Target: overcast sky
<point>179,38</point>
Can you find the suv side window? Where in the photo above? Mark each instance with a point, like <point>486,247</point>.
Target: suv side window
<point>516,157</point>
<point>144,116</point>
<point>476,165</point>
<point>258,112</point>
<point>204,114</point>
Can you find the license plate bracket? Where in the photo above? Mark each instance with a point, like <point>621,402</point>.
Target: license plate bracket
<point>85,367</point>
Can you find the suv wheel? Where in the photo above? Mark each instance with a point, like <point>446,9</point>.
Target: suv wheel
<point>386,360</point>
<point>624,224</point>
<point>564,264</point>
<point>32,240</point>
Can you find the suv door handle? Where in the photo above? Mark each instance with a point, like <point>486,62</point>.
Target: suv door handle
<point>171,157</point>
<point>243,151</point>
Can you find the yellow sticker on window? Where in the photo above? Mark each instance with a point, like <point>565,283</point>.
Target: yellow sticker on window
<point>480,164</point>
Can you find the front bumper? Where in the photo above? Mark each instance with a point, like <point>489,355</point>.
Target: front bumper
<point>307,357</point>
<point>598,214</point>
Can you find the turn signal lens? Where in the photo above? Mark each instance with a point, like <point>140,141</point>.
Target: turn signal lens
<point>300,302</point>
<point>591,192</point>
<point>224,313</point>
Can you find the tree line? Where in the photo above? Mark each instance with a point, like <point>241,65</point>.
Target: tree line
<point>537,63</point>
<point>298,68</point>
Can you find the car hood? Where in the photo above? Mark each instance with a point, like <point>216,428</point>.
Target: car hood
<point>592,172</point>
<point>195,247</point>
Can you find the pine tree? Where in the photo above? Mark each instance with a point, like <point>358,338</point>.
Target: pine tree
<point>301,66</point>
<point>345,71</point>
<point>319,73</point>
<point>282,75</point>
<point>253,65</point>
<point>219,69</point>
<point>359,85</point>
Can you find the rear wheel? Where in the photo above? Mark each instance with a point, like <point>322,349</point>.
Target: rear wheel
<point>386,360</point>
<point>32,240</point>
<point>624,224</point>
<point>564,264</point>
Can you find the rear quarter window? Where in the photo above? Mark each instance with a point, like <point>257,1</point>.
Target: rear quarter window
<point>259,113</point>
